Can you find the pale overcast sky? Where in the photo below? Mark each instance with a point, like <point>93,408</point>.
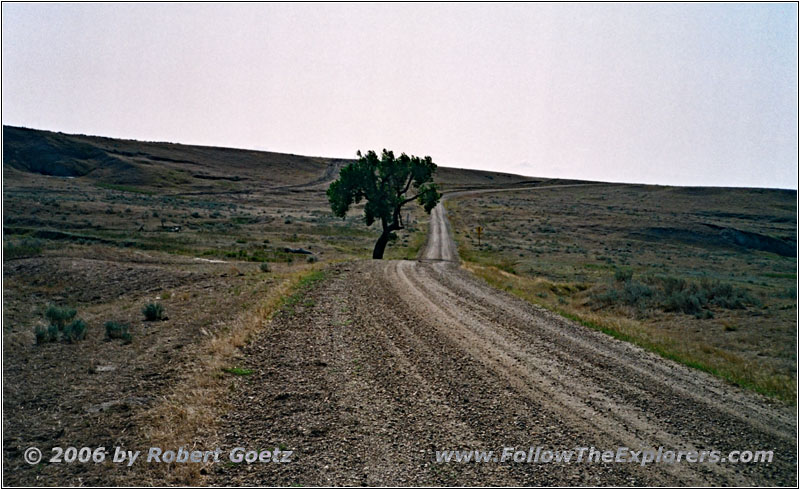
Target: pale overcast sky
<point>686,94</point>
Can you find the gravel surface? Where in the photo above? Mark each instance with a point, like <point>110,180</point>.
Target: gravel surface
<point>387,362</point>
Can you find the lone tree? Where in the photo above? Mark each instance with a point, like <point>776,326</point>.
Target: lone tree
<point>384,183</point>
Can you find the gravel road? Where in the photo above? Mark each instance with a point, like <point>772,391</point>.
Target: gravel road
<point>387,362</point>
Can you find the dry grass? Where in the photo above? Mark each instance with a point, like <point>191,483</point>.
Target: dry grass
<point>608,253</point>
<point>185,226</point>
<point>744,372</point>
<point>188,416</point>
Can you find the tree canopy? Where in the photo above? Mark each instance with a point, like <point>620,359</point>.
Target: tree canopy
<point>385,183</point>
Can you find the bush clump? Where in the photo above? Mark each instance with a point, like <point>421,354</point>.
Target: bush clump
<point>672,294</point>
<point>27,247</point>
<point>635,293</point>
<point>692,298</point>
<point>59,316</point>
<point>153,312</point>
<point>46,334</point>
<point>116,330</point>
<point>62,325</point>
<point>623,275</point>
<point>75,331</point>
<point>264,267</point>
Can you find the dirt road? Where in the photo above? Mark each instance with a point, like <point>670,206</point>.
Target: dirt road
<point>388,362</point>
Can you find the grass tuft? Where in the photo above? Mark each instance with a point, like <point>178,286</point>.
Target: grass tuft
<point>116,330</point>
<point>238,371</point>
<point>153,312</point>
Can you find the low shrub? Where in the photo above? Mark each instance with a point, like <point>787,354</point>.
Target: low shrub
<point>264,267</point>
<point>685,301</point>
<point>623,275</point>
<point>727,296</point>
<point>153,312</point>
<point>74,332</point>
<point>58,316</point>
<point>635,293</point>
<point>605,298</point>
<point>116,330</point>
<point>694,298</point>
<point>46,334</point>
<point>27,247</point>
<point>673,294</point>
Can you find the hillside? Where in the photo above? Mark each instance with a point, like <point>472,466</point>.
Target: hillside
<point>154,165</point>
<point>271,320</point>
<point>171,167</point>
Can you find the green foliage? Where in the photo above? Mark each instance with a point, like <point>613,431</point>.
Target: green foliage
<point>44,335</point>
<point>238,371</point>
<point>692,298</point>
<point>75,331</point>
<point>27,247</point>
<point>677,295</point>
<point>59,316</point>
<point>623,275</point>
<point>635,293</point>
<point>264,267</point>
<point>153,312</point>
<point>384,183</point>
<point>116,330</point>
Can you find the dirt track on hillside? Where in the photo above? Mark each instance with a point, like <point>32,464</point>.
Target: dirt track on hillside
<point>388,362</point>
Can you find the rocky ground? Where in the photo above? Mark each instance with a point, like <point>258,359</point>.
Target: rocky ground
<point>388,362</point>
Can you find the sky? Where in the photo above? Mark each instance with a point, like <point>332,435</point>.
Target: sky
<point>674,93</point>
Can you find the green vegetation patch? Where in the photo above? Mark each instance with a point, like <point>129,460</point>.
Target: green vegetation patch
<point>117,330</point>
<point>62,325</point>
<point>153,312</point>
<point>306,282</point>
<point>26,247</point>
<point>236,371</point>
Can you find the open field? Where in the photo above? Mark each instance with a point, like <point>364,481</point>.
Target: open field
<point>377,364</point>
<point>385,364</point>
<point>108,226</point>
<point>702,275</point>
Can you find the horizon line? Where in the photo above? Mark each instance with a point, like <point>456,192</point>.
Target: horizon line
<point>262,150</point>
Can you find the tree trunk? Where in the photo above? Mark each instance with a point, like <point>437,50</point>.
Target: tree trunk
<point>380,245</point>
